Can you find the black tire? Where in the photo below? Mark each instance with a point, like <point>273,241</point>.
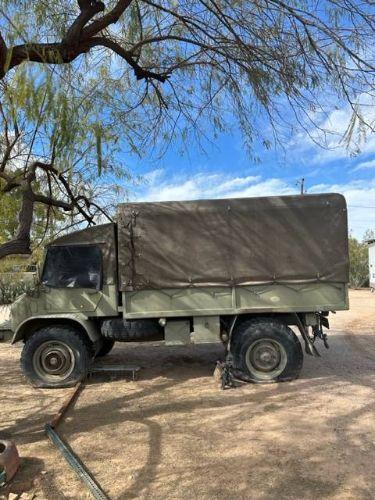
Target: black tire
<point>106,348</point>
<point>56,356</point>
<point>122,330</point>
<point>266,350</point>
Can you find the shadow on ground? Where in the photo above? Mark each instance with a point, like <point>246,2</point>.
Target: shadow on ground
<point>275,433</point>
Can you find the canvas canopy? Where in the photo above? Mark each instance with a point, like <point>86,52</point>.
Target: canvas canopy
<point>286,239</point>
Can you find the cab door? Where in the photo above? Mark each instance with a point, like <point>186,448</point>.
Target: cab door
<point>73,278</point>
<point>80,273</point>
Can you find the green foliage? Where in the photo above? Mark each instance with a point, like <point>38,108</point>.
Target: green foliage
<point>229,64</point>
<point>54,116</point>
<point>358,256</point>
<point>9,210</point>
<point>12,286</point>
<point>227,60</point>
<point>61,126</point>
<point>19,263</point>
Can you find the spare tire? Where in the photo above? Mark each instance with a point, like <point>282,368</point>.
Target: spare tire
<point>122,330</point>
<point>106,347</point>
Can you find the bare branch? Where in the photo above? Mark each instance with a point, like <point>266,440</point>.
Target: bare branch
<point>110,18</point>
<point>11,143</point>
<point>88,10</point>
<point>140,73</point>
<point>3,56</point>
<point>78,40</point>
<point>52,202</point>
<point>49,168</point>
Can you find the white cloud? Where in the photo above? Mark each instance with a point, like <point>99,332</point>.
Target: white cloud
<point>364,165</point>
<point>360,198</point>
<point>360,194</point>
<point>201,185</point>
<point>239,182</point>
<point>268,187</point>
<point>151,176</point>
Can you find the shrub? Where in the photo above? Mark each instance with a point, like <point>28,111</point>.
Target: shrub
<point>359,271</point>
<point>11,288</point>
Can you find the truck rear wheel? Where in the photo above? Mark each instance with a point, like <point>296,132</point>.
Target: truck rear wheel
<point>266,350</point>
<point>56,356</point>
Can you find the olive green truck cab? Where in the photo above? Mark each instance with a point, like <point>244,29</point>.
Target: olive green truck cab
<point>239,272</point>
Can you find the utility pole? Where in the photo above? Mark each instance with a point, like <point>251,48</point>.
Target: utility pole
<point>301,183</point>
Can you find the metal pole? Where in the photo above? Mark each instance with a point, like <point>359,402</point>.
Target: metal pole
<point>66,451</point>
<point>76,464</point>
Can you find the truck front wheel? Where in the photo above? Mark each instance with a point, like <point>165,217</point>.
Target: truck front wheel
<point>266,350</point>
<point>56,356</point>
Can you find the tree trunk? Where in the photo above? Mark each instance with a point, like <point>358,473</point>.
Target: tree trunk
<point>20,244</point>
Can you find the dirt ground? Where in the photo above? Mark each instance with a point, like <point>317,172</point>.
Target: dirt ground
<point>173,434</point>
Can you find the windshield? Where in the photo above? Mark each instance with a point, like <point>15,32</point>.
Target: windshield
<point>76,266</point>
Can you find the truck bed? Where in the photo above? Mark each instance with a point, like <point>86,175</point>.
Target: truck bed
<point>204,301</point>
<point>210,257</point>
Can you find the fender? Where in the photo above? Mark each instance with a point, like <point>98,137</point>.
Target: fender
<point>34,322</point>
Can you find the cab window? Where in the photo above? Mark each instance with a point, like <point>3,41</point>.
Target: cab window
<point>73,267</point>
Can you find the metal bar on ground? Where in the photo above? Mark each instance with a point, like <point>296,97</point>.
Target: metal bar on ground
<point>69,455</point>
<point>59,415</point>
<point>99,368</point>
<point>76,464</point>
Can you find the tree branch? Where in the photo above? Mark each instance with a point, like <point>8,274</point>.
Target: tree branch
<point>46,53</point>
<point>110,18</point>
<point>78,40</point>
<point>8,150</point>
<point>61,53</point>
<point>20,244</point>
<point>88,10</point>
<point>3,56</point>
<point>140,73</point>
<point>49,168</point>
<point>52,202</point>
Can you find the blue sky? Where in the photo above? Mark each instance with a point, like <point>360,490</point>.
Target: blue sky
<point>225,170</point>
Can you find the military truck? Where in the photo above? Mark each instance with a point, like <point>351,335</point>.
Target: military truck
<point>240,272</point>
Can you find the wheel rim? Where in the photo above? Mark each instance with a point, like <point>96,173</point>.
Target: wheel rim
<point>53,361</point>
<point>266,359</point>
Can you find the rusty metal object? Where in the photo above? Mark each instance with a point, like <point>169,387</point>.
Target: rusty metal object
<point>59,415</point>
<point>9,461</point>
